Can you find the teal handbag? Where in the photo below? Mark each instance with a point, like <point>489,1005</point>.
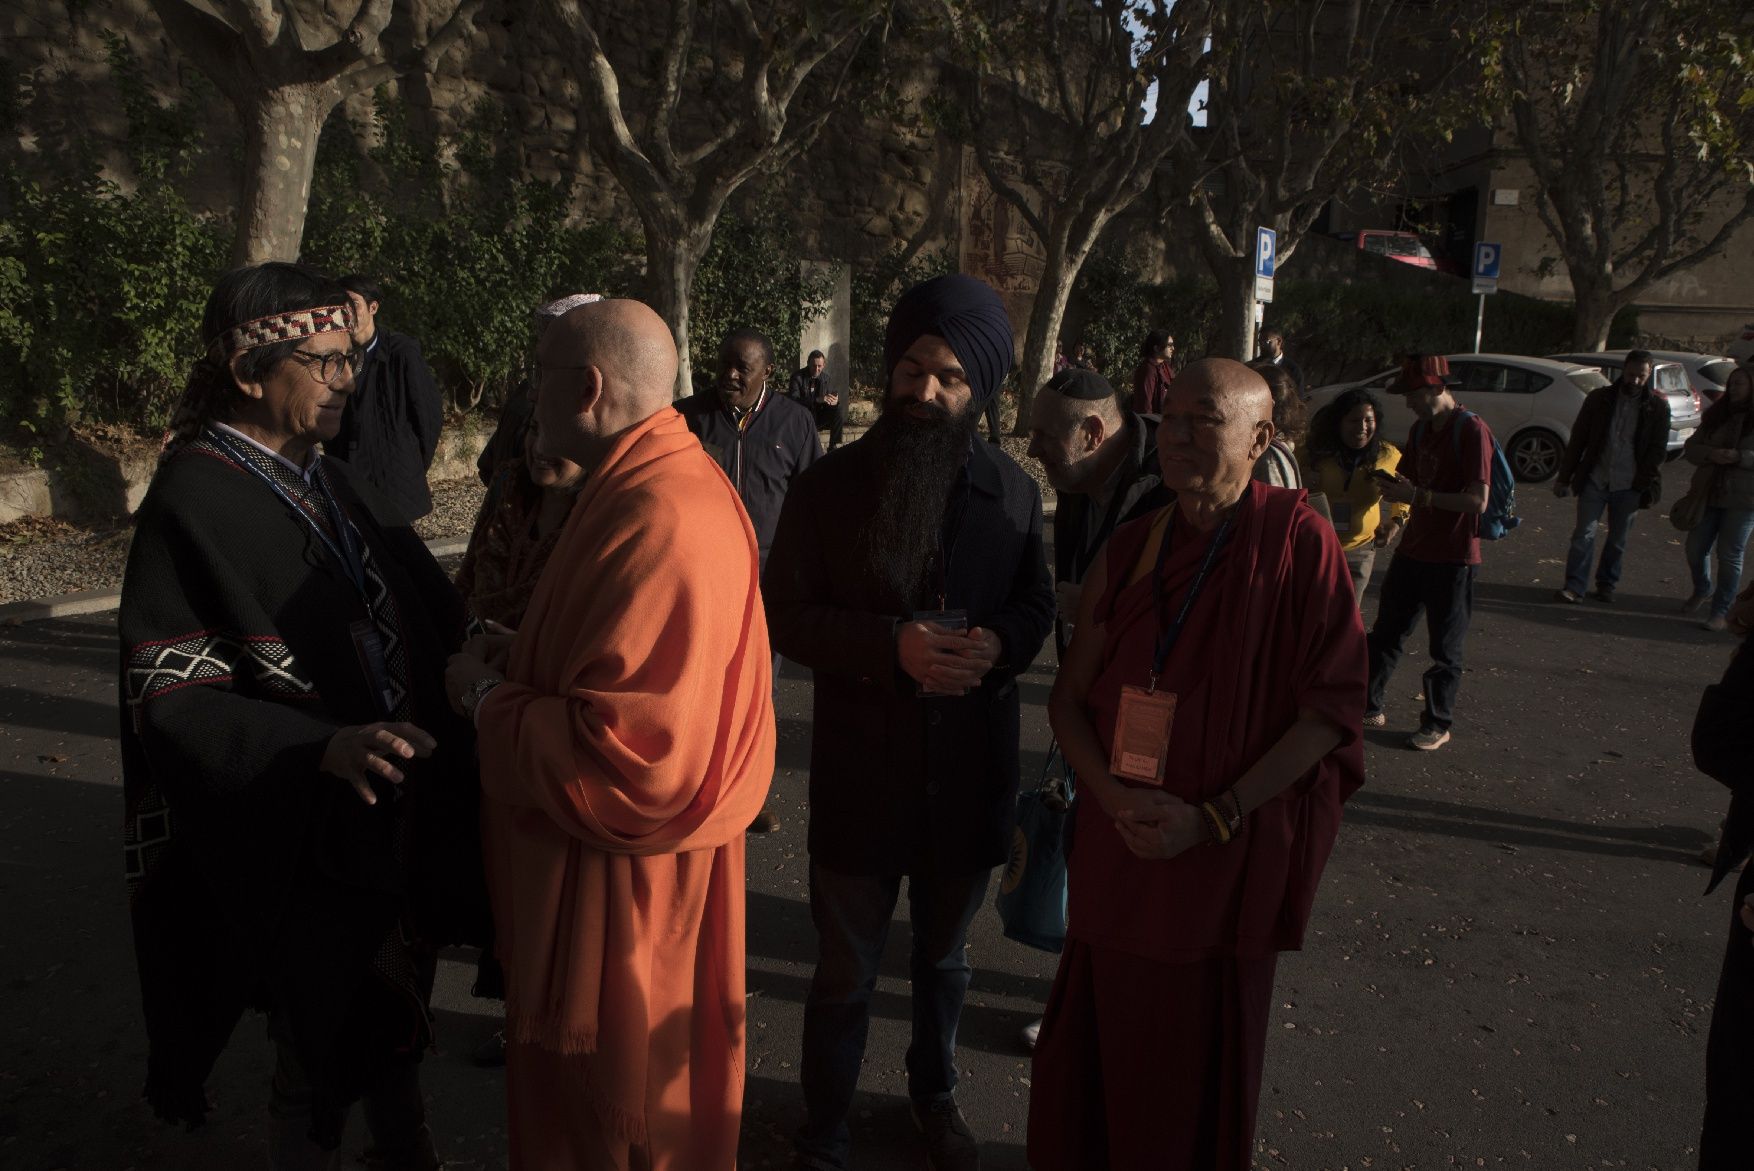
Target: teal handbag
<point>1032,892</point>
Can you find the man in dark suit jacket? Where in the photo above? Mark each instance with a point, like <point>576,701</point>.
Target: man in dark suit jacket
<point>1273,350</point>
<point>390,425</point>
<point>909,575</point>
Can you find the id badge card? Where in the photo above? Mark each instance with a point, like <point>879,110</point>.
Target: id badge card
<point>1141,740</point>
<point>1341,511</point>
<point>368,644</point>
<point>955,621</point>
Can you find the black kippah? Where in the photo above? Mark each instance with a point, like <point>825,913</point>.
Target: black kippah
<point>1083,385</point>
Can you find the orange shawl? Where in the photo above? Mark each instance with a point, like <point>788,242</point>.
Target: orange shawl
<point>621,764</point>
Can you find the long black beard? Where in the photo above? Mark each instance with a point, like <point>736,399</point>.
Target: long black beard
<point>916,463</point>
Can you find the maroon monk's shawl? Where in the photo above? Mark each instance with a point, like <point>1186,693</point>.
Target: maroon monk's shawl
<point>1275,632</point>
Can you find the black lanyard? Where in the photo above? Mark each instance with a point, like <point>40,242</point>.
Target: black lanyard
<point>948,532</point>
<point>341,545</point>
<point>1169,634</point>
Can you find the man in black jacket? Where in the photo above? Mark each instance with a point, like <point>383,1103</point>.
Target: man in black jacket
<point>909,575</point>
<point>1614,463</point>
<point>390,425</point>
<point>829,407</point>
<point>1102,462</point>
<point>764,441</point>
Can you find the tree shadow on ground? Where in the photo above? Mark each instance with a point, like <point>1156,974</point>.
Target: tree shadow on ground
<point>87,643</point>
<point>1665,843</point>
<point>1633,615</point>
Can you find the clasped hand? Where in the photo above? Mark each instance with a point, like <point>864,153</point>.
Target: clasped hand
<point>483,657</point>
<point>1155,825</point>
<point>944,661</point>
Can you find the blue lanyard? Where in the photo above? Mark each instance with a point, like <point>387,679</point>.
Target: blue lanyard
<point>1169,635</point>
<point>342,546</point>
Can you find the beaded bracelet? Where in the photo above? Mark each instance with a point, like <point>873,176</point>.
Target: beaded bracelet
<point>1219,831</point>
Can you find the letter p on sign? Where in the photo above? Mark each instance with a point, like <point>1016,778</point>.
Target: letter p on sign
<point>1486,260</point>
<point>1266,249</point>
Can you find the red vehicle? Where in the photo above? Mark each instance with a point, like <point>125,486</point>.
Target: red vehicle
<point>1402,246</point>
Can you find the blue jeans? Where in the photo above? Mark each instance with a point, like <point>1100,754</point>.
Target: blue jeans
<point>1621,507</point>
<point>1729,529</point>
<point>852,914</point>
<point>1444,594</point>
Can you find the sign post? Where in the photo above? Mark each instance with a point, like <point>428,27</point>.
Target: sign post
<point>1266,261</point>
<point>1487,258</point>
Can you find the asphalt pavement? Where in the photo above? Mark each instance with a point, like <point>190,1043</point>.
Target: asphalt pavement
<point>1511,963</point>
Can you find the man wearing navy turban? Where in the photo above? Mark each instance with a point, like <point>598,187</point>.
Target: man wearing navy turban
<point>908,575</point>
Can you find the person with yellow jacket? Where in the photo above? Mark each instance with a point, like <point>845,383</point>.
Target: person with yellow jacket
<point>1343,451</point>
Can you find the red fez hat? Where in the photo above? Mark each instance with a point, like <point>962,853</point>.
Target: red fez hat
<point>1419,371</point>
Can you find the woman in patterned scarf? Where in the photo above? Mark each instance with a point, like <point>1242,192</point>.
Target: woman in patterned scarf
<point>520,521</point>
<point>301,826</point>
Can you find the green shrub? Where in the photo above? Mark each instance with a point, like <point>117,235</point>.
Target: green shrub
<point>751,278</point>
<point>1336,330</point>
<point>1124,307</point>
<point>1341,331</point>
<point>101,287</point>
<point>464,248</point>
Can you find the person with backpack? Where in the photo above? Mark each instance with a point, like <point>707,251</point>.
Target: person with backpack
<point>1449,475</point>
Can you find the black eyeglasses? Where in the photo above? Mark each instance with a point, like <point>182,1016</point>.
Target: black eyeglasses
<point>327,367</point>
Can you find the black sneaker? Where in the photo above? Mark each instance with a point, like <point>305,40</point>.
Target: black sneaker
<point>765,822</point>
<point>950,1144</point>
<point>1603,594</point>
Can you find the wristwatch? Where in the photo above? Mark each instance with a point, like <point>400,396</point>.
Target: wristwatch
<point>477,692</point>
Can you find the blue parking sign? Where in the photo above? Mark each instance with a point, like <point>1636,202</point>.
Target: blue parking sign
<point>1487,258</point>
<point>1266,251</point>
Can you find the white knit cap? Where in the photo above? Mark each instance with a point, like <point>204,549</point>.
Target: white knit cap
<point>565,305</point>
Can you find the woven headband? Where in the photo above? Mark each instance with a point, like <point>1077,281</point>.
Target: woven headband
<point>287,327</point>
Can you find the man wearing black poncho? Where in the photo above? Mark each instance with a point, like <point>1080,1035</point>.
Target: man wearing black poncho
<point>301,827</point>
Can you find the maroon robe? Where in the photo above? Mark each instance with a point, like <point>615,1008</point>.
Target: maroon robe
<point>1152,1044</point>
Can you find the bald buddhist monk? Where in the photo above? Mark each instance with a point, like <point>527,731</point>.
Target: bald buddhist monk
<point>1209,704</point>
<point>624,750</point>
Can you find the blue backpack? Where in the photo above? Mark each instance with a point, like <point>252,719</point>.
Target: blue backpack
<point>1500,516</point>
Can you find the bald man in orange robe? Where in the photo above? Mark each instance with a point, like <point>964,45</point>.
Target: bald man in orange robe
<point>624,751</point>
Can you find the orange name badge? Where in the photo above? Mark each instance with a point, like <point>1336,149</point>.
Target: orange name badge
<point>1141,741</point>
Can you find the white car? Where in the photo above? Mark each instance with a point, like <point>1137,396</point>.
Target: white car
<point>1529,403</point>
<point>1672,379</point>
<point>1742,349</point>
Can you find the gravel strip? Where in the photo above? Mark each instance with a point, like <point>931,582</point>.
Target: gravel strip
<point>43,557</point>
